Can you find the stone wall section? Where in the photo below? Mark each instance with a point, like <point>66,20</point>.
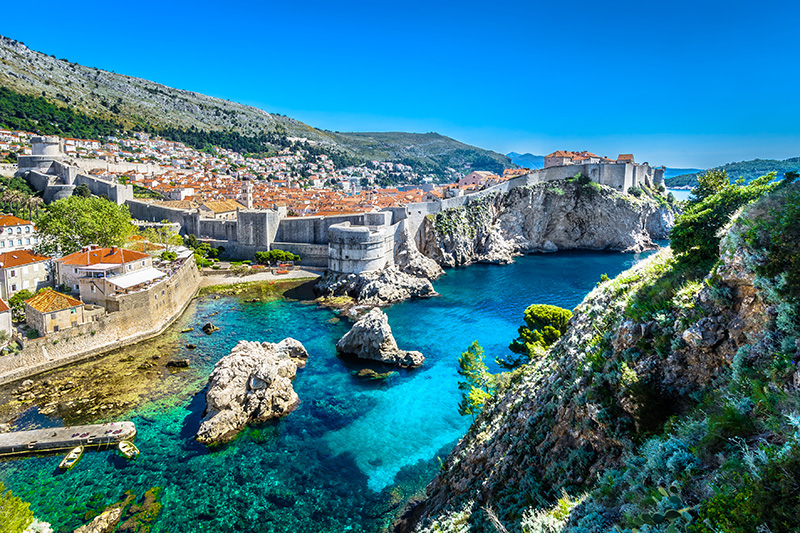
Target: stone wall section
<point>140,316</point>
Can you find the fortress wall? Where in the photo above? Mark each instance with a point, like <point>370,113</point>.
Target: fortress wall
<point>146,315</point>
<point>256,227</point>
<point>314,255</point>
<point>116,192</point>
<point>155,213</point>
<point>140,168</point>
<point>223,230</point>
<point>311,230</point>
<point>356,249</point>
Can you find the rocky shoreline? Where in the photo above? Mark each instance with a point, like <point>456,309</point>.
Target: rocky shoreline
<point>371,339</point>
<point>547,217</point>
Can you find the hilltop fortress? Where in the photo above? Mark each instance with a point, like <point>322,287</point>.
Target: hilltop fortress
<point>344,244</point>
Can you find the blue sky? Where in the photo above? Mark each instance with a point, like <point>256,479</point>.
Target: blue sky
<point>680,83</point>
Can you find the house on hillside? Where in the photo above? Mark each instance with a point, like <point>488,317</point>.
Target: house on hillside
<point>23,269</point>
<point>16,233</point>
<point>50,311</point>
<point>477,177</point>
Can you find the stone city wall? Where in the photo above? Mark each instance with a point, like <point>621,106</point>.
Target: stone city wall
<point>141,316</point>
<point>356,249</point>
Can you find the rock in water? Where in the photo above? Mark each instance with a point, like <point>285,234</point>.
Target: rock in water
<point>252,384</point>
<point>371,338</point>
<point>209,328</point>
<point>104,523</point>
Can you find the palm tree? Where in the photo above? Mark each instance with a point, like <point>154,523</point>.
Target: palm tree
<point>34,202</point>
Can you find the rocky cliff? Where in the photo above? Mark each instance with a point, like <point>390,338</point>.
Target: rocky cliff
<point>558,215</point>
<point>670,402</point>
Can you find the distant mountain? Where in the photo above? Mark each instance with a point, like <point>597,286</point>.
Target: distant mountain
<point>135,102</point>
<point>526,160</point>
<point>749,170</point>
<point>672,172</point>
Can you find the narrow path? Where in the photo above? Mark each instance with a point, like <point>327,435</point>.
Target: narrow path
<point>230,279</point>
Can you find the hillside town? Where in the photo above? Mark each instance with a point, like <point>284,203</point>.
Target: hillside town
<point>304,183</point>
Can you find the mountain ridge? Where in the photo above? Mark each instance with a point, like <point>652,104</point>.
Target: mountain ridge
<point>133,101</point>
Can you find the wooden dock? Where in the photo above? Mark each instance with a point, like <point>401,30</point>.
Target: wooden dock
<point>64,439</point>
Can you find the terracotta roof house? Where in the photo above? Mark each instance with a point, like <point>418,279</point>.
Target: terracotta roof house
<point>16,233</point>
<point>23,269</point>
<point>96,262</point>
<point>50,311</point>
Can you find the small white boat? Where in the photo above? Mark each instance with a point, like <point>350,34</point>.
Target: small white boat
<point>72,458</point>
<point>128,449</point>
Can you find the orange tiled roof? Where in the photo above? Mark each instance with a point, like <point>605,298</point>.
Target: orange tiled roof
<point>49,301</point>
<point>3,306</point>
<point>11,220</point>
<point>115,256</point>
<point>20,257</point>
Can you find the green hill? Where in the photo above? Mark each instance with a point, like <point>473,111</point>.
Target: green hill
<point>749,170</point>
<point>128,103</point>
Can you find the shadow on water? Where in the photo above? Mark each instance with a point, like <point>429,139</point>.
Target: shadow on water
<point>303,292</point>
<point>191,424</point>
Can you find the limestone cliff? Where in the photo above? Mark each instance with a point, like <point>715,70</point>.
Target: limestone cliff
<point>666,384</point>
<point>558,215</point>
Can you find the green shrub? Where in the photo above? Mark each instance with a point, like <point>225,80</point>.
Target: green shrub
<point>32,334</point>
<point>15,515</point>
<point>635,191</point>
<point>544,324</point>
<point>779,235</point>
<point>168,256</point>
<point>696,230</point>
<point>273,256</point>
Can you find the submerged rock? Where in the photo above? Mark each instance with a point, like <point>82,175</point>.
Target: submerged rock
<point>209,328</point>
<point>371,375</point>
<point>371,338</point>
<point>178,363</point>
<point>252,384</point>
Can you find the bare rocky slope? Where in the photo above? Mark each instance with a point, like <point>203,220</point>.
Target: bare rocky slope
<point>130,100</point>
<point>558,215</point>
<point>670,402</point>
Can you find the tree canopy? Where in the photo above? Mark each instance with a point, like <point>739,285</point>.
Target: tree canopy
<point>74,222</point>
<point>544,324</point>
<point>478,385</point>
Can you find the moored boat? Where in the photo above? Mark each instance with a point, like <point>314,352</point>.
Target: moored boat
<point>72,458</point>
<point>128,449</point>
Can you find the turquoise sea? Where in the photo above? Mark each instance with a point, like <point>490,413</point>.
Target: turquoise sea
<point>351,452</point>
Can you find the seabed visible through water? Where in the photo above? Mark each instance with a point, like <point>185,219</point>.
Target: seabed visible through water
<point>345,460</point>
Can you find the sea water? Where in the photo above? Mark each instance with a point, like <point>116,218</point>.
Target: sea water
<point>352,451</point>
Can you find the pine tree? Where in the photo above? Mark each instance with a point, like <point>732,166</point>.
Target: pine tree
<point>479,384</point>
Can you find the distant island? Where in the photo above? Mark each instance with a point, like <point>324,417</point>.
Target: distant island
<point>749,170</point>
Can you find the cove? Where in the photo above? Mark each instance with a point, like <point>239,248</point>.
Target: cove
<point>351,453</point>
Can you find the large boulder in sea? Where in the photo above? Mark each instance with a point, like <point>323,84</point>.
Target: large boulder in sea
<point>371,338</point>
<point>252,384</point>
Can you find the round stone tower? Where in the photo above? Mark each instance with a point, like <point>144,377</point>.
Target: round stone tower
<point>46,146</point>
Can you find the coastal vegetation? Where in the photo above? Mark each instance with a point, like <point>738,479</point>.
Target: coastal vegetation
<point>544,324</point>
<point>15,515</point>
<point>670,401</point>
<point>274,256</point>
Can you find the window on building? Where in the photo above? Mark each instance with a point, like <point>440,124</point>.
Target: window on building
<point>13,274</point>
<point>27,229</point>
<point>13,286</point>
<point>2,244</point>
<point>143,263</point>
<point>52,316</point>
<point>74,270</point>
<point>55,328</point>
<point>93,288</point>
<point>73,311</point>
<point>76,287</point>
<point>19,230</point>
<point>28,240</point>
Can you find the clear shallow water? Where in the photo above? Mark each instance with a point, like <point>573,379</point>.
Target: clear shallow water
<point>352,450</point>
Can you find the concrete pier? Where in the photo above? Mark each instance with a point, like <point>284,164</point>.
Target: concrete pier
<point>64,439</point>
